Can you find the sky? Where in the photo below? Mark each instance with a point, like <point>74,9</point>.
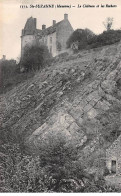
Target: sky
<point>13,18</point>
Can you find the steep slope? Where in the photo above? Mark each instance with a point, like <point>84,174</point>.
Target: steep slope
<point>70,98</point>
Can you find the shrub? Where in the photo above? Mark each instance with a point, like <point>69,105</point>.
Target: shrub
<point>80,36</point>
<point>19,172</point>
<point>60,160</point>
<point>11,76</point>
<point>8,69</point>
<point>57,169</point>
<point>105,38</point>
<point>54,170</point>
<point>85,39</point>
<point>34,57</point>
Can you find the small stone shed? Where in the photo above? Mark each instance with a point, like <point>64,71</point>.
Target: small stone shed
<point>113,157</point>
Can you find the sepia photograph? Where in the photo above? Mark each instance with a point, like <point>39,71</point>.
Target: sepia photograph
<point>60,96</point>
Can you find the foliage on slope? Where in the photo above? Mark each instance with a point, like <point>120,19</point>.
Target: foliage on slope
<point>105,38</point>
<point>87,40</point>
<point>81,36</point>
<point>34,57</point>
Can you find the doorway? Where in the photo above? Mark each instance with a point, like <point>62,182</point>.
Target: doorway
<point>113,166</point>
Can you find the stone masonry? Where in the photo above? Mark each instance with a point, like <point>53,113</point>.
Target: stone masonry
<point>54,37</point>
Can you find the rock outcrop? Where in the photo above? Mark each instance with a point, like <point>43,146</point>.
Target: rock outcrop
<point>68,98</point>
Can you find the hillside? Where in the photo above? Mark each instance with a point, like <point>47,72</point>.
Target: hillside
<point>78,96</point>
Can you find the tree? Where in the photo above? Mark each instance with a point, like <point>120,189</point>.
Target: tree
<point>105,38</point>
<point>79,38</point>
<point>59,158</point>
<point>108,23</point>
<point>8,67</point>
<point>34,57</point>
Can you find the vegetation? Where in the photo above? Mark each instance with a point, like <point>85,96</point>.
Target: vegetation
<point>24,173</point>
<point>80,36</point>
<point>55,168</point>
<point>34,57</point>
<point>108,23</point>
<point>88,40</point>
<point>105,38</point>
<point>11,76</point>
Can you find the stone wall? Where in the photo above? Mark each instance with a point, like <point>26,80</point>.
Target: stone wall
<point>64,31</point>
<point>50,42</point>
<point>114,153</point>
<point>27,40</point>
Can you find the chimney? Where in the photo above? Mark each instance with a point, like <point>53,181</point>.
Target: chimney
<point>43,27</point>
<point>35,22</point>
<point>54,22</point>
<point>65,16</point>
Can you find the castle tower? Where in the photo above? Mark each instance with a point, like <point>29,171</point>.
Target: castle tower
<point>28,34</point>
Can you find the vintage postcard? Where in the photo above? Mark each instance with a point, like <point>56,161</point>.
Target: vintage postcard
<point>60,96</point>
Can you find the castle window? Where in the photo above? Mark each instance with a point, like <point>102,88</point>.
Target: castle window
<point>50,39</point>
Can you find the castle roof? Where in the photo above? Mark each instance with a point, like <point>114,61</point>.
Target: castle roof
<point>48,30</point>
<point>30,26</point>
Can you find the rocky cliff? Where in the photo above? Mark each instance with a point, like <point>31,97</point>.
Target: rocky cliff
<point>76,97</point>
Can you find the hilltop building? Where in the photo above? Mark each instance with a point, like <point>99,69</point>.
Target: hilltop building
<point>54,37</point>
